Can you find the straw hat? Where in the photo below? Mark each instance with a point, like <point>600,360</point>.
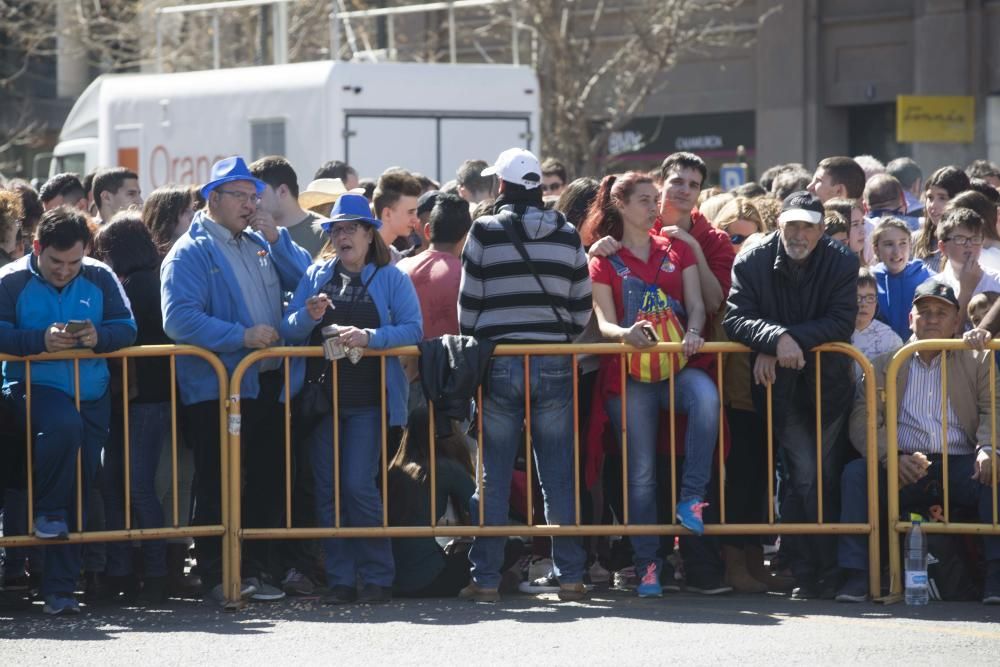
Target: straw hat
<point>322,192</point>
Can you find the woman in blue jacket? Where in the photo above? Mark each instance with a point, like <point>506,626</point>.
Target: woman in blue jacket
<point>374,305</point>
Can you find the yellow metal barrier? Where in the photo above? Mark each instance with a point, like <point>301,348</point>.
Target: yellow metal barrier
<point>236,533</point>
<point>897,525</point>
<point>128,533</point>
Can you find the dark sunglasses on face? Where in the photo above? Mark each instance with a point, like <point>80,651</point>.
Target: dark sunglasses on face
<point>737,239</point>
<point>551,187</point>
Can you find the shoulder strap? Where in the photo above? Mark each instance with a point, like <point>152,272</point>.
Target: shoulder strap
<point>619,265</point>
<point>506,221</point>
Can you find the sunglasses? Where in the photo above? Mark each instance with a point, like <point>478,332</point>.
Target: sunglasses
<point>551,187</point>
<point>737,239</point>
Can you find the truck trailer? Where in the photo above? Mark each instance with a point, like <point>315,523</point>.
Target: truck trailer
<point>428,118</point>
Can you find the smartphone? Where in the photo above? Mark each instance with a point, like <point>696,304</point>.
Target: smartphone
<point>73,326</point>
<point>650,335</point>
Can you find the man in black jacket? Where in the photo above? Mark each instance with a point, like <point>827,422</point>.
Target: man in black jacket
<point>791,293</point>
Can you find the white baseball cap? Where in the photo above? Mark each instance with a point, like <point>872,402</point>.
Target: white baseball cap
<point>514,165</point>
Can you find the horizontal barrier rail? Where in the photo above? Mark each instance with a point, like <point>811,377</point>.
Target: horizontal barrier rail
<point>175,529</point>
<point>897,524</point>
<point>236,532</point>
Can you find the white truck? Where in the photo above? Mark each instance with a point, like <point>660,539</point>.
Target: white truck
<point>427,118</point>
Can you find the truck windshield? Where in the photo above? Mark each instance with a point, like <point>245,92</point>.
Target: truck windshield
<point>74,162</point>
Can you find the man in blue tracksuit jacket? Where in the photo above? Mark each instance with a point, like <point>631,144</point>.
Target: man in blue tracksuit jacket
<point>56,299</point>
<point>222,286</point>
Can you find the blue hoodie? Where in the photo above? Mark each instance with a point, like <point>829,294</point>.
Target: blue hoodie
<point>398,311</point>
<point>202,305</point>
<point>29,305</point>
<point>895,294</point>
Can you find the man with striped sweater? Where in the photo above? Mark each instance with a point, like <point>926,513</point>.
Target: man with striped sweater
<point>525,280</point>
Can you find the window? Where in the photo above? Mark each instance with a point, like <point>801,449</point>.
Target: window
<point>267,137</point>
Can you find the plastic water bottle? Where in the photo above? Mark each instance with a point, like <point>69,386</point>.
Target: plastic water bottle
<point>916,566</point>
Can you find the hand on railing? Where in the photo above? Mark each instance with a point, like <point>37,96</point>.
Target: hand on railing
<point>259,336</point>
<point>977,338</point>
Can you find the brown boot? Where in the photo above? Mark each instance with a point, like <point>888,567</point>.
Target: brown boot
<point>736,572</point>
<point>754,558</point>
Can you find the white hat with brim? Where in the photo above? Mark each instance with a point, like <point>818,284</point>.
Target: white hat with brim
<point>322,192</point>
<point>513,165</point>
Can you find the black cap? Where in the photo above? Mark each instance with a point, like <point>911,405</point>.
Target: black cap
<point>427,201</point>
<point>935,288</point>
<point>802,205</point>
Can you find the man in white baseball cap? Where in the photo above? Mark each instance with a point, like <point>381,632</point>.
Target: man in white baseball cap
<point>517,166</point>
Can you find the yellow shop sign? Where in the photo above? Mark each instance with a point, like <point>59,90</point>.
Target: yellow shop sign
<point>935,118</point>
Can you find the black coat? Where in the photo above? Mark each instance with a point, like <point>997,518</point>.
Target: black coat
<point>815,303</point>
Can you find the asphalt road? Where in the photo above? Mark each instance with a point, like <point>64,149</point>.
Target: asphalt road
<point>682,629</point>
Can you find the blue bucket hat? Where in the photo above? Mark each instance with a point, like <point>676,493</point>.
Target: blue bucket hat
<point>228,170</point>
<point>351,207</point>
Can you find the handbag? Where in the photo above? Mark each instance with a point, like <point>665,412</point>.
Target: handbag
<point>663,314</point>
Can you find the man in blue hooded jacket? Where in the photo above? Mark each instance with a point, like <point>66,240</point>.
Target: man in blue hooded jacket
<point>54,300</point>
<point>222,286</point>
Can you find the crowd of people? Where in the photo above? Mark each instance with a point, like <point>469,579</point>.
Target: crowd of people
<point>510,252</point>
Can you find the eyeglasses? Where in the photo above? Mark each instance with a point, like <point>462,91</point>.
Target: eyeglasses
<point>868,299</point>
<point>552,187</point>
<point>965,240</point>
<point>344,228</point>
<point>737,239</point>
<point>242,197</point>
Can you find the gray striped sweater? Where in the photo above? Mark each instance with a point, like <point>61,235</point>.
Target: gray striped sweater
<point>501,300</point>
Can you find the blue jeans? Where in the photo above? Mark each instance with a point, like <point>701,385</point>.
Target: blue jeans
<point>149,427</point>
<point>348,559</point>
<point>60,431</point>
<point>694,395</point>
<point>552,444</point>
<point>965,493</point>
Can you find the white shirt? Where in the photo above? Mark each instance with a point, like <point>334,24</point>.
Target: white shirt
<point>989,258</point>
<point>876,339</point>
<point>919,427</point>
<point>990,282</point>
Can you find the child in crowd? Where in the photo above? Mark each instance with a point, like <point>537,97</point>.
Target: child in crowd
<point>896,275</point>
<point>980,304</point>
<point>871,336</point>
<point>960,240</point>
<point>837,226</point>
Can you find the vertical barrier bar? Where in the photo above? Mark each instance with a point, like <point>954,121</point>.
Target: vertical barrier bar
<point>288,446</point>
<point>336,442</point>
<point>576,438</point>
<point>993,430</point>
<point>770,456</point>
<point>385,448</point>
<point>944,435</point>
<point>79,452</point>
<point>819,444</point>
<point>892,471</point>
<point>722,442</point>
<point>231,543</point>
<point>173,439</point>
<point>126,446</point>
<point>673,442</point>
<point>480,482</point>
<point>624,439</point>
<point>529,484</point>
<point>30,448</point>
<point>433,460</point>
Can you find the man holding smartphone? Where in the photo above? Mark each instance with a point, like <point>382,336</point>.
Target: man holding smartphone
<point>53,300</point>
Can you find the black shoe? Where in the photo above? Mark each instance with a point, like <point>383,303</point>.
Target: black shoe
<point>707,584</point>
<point>855,588</point>
<point>95,588</point>
<point>991,588</point>
<point>121,588</point>
<point>374,594</point>
<point>154,591</point>
<point>806,588</point>
<point>341,595</point>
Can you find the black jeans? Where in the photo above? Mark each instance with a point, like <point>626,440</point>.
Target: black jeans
<point>746,474</point>
<point>263,458</point>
